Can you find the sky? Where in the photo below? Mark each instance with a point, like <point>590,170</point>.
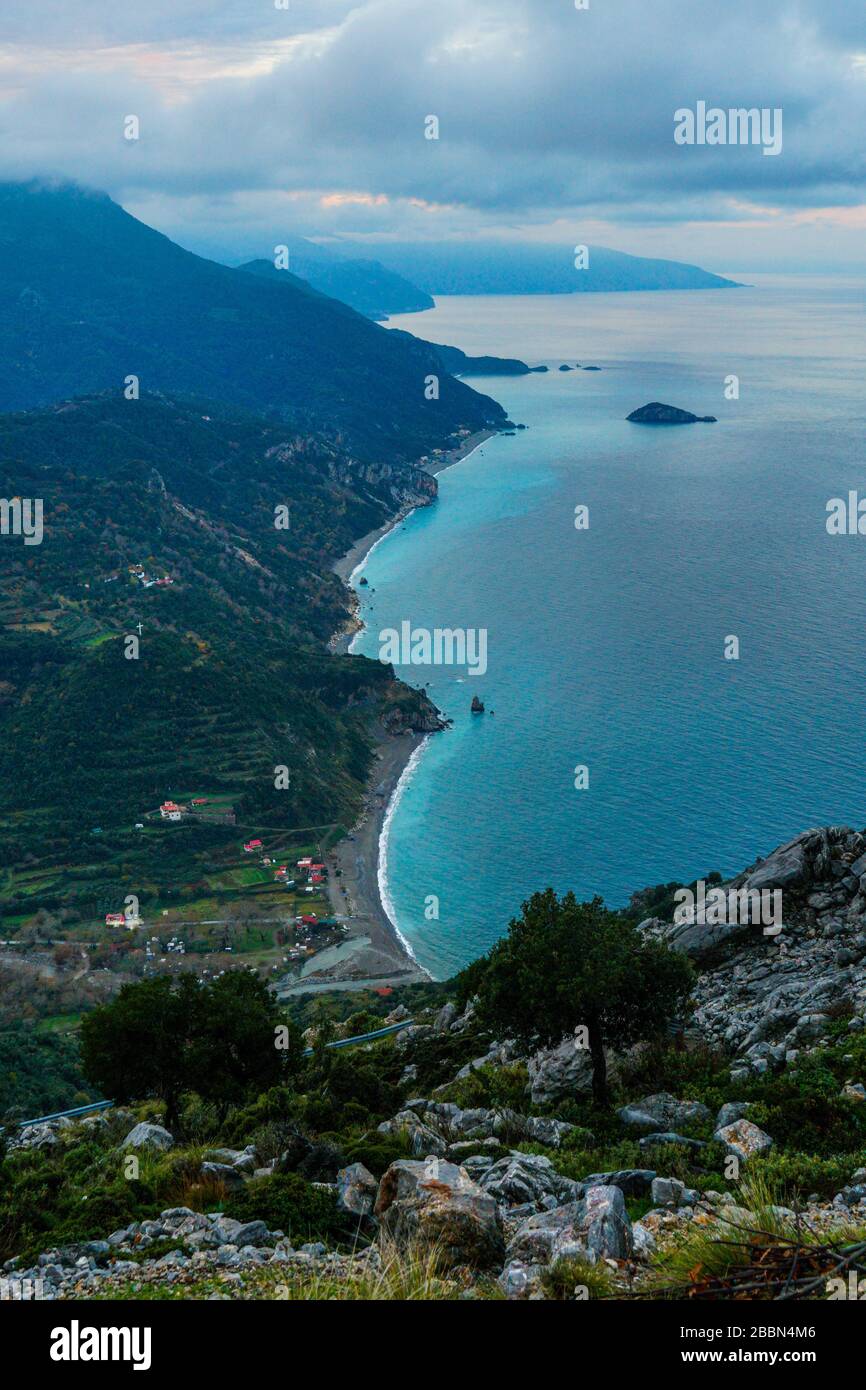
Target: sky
<point>556,124</point>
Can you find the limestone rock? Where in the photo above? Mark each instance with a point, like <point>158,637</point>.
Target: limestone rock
<point>437,1203</point>
<point>523,1178</point>
<point>147,1136</point>
<point>662,1110</point>
<point>356,1190</point>
<point>557,1072</point>
<point>744,1139</point>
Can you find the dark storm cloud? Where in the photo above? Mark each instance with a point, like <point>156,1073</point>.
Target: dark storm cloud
<point>542,107</point>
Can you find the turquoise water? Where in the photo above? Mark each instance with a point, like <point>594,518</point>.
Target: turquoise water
<point>605,647</point>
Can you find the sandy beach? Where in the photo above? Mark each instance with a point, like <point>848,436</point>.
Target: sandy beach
<point>375,952</point>
<point>354,891</point>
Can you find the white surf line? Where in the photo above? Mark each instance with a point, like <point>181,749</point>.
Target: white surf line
<point>384,839</point>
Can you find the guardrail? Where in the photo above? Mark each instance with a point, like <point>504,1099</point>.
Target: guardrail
<point>65,1114</point>
<point>364,1037</point>
<point>308,1052</point>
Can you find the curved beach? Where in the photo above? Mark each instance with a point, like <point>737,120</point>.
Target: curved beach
<point>360,891</point>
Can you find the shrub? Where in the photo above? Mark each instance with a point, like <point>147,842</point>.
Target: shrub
<point>802,1107</point>
<point>492,1088</point>
<point>566,1275</point>
<point>287,1202</point>
<point>797,1175</point>
<point>377,1152</point>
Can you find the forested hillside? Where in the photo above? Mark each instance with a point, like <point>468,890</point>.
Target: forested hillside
<point>89,295</point>
<point>208,539</point>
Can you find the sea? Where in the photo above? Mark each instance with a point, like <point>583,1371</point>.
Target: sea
<point>677,684</point>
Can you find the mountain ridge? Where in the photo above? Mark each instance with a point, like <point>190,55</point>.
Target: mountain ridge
<point>90,296</point>
<point>479,268</point>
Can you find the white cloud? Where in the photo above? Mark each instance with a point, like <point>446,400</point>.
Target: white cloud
<point>544,111</point>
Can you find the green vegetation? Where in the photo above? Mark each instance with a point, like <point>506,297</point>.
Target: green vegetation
<point>287,1202</point>
<point>39,1073</point>
<point>567,965</point>
<point>129,295</point>
<point>322,1113</point>
<point>231,679</point>
<point>161,1038</point>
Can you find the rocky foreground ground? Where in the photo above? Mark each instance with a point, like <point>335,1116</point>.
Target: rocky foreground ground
<point>485,1188</point>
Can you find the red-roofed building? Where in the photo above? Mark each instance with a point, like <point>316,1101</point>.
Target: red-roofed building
<point>251,845</point>
<point>115,919</point>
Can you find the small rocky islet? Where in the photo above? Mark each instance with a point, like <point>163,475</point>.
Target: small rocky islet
<point>657,413</point>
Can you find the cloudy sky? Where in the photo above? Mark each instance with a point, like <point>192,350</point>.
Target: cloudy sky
<point>555,124</point>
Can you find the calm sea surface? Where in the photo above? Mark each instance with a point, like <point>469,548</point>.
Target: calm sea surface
<point>605,646</point>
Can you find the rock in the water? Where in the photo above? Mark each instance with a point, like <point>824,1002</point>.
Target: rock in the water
<point>656,413</point>
<point>437,1203</point>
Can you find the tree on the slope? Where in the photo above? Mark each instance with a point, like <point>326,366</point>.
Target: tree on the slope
<point>566,965</point>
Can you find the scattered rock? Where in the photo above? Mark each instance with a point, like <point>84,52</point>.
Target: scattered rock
<point>147,1136</point>
<point>662,1109</point>
<point>743,1139</point>
<point>438,1203</point>
<point>523,1178</point>
<point>356,1190</point>
<point>558,1072</point>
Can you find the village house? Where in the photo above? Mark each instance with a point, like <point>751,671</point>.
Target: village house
<point>252,845</point>
<point>169,810</point>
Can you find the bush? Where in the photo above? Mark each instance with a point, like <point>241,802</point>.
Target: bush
<point>802,1107</point>
<point>317,1160</point>
<point>440,1057</point>
<point>798,1175</point>
<point>492,1088</point>
<point>377,1152</point>
<point>287,1202</point>
<point>694,1073</point>
<point>362,1080</point>
<point>566,1275</point>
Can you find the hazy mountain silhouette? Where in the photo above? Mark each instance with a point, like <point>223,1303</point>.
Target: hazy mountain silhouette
<point>90,295</point>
